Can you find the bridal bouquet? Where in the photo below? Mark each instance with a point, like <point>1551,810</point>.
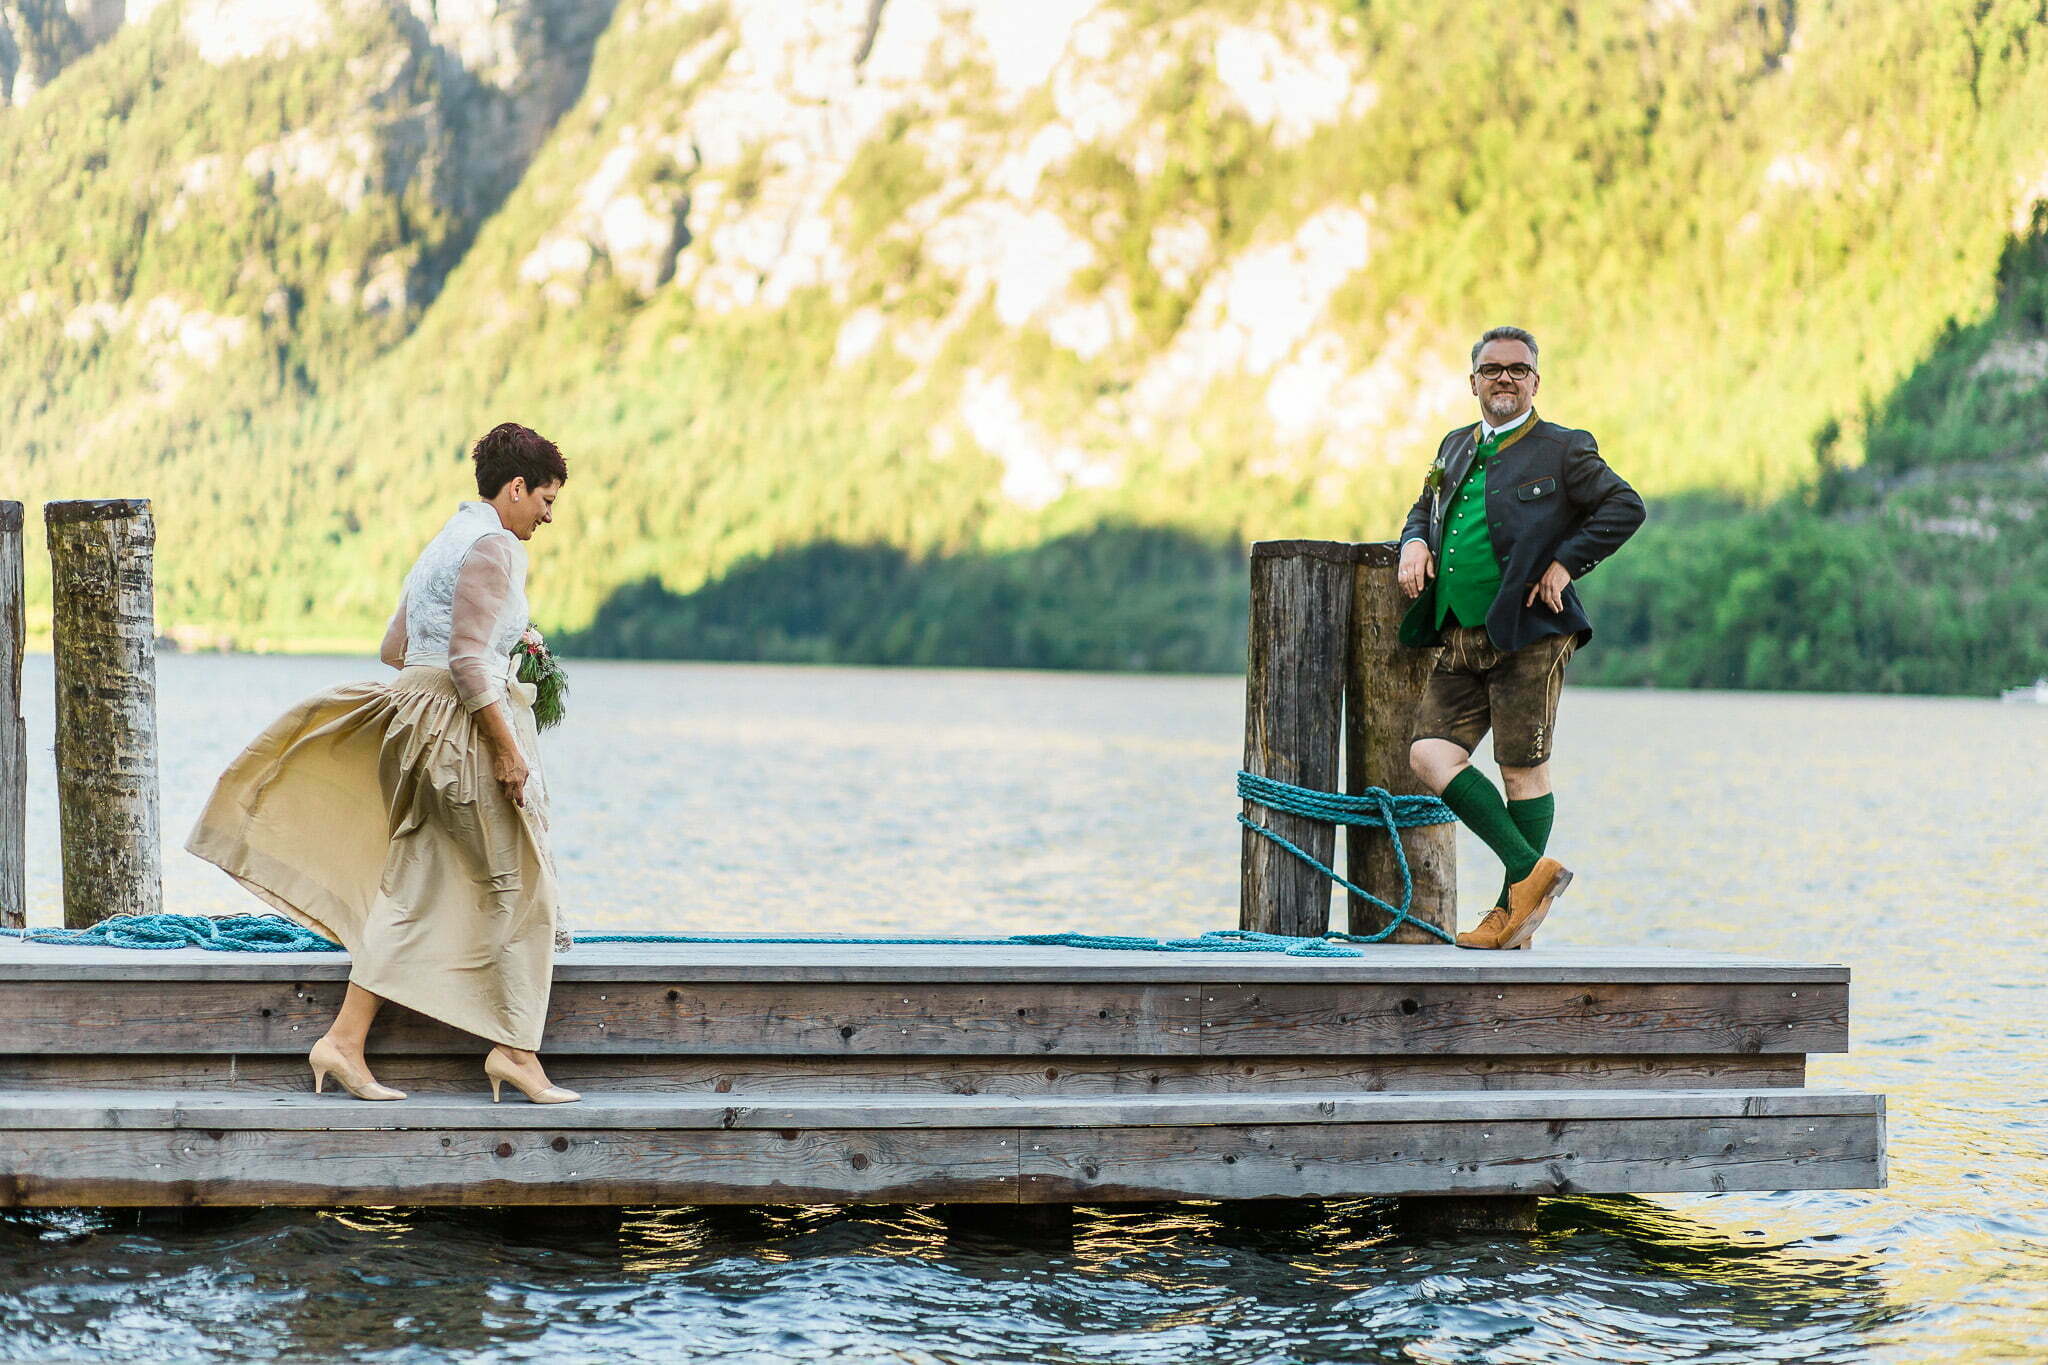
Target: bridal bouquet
<point>537,666</point>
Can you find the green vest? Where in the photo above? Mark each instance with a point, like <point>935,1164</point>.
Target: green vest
<point>1468,578</point>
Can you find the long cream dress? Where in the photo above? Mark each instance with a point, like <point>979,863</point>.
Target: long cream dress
<point>369,812</point>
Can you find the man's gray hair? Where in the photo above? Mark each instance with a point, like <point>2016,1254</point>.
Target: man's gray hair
<point>1503,334</point>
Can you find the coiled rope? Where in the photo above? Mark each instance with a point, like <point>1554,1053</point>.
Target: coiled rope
<point>1375,806</point>
<point>226,934</point>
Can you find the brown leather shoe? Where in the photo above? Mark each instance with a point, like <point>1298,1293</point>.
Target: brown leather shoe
<point>1529,900</point>
<point>1489,933</point>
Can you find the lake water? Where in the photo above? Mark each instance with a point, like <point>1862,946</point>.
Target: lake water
<point>1902,836</point>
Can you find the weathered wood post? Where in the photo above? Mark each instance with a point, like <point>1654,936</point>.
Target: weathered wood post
<point>1382,686</point>
<point>104,622</point>
<point>13,731</point>
<point>1293,719</point>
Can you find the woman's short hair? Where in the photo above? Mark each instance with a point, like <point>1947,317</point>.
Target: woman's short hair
<point>509,451</point>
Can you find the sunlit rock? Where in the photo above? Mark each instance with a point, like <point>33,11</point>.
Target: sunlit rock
<point>1037,470</point>
<point>166,325</point>
<point>1327,402</point>
<point>347,166</point>
<point>1256,309</point>
<point>1798,171</point>
<point>224,31</point>
<point>2014,358</point>
<point>1290,73</point>
<point>858,336</point>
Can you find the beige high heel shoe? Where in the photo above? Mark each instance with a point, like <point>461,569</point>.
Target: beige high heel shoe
<point>326,1059</point>
<point>501,1069</point>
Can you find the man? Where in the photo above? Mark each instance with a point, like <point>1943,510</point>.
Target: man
<point>1513,510</point>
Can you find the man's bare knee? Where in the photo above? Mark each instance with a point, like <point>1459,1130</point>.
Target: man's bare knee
<point>1436,761</point>
<point>1526,784</point>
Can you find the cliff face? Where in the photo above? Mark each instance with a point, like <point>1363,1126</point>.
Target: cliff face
<point>39,38</point>
<point>950,276</point>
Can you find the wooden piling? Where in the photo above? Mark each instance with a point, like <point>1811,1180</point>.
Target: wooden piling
<point>13,731</point>
<point>1293,706</point>
<point>1382,685</point>
<point>104,623</point>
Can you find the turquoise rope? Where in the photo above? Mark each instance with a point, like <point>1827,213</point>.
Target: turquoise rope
<point>275,934</point>
<point>227,934</point>
<point>1375,806</point>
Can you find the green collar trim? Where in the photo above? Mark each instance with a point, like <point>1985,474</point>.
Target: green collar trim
<point>1528,425</point>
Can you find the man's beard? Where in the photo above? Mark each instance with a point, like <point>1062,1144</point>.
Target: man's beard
<point>1504,404</point>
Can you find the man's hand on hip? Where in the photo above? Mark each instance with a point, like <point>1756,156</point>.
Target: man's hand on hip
<point>1549,588</point>
<point>1418,566</point>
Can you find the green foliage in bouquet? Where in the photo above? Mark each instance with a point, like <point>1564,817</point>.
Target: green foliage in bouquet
<point>539,669</point>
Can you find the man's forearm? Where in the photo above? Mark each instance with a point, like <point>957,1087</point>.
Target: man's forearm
<point>1416,527</point>
<point>1613,512</point>
<point>1603,532</point>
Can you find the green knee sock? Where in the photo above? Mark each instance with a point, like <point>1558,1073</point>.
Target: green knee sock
<point>1533,817</point>
<point>1478,803</point>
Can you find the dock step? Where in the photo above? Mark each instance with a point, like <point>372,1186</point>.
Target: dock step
<point>863,1001</point>
<point>232,1147</point>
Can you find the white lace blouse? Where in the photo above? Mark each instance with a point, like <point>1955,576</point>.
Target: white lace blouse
<point>464,605</point>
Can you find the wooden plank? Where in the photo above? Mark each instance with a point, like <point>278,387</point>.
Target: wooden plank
<point>1381,689</point>
<point>1308,1161</point>
<point>509,1165</point>
<point>626,1017</point>
<point>955,963</point>
<point>103,623</point>
<point>1073,1075</point>
<point>223,1167</point>
<point>1518,1019</point>
<point>1293,710</point>
<point>13,729</point>
<point>999,1019</point>
<point>90,1110</point>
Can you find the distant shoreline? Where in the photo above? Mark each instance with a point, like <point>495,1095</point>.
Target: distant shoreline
<point>367,653</point>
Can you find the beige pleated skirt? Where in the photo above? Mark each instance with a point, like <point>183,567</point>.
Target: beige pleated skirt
<point>368,813</point>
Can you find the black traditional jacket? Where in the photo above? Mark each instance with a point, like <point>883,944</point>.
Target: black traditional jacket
<point>1549,496</point>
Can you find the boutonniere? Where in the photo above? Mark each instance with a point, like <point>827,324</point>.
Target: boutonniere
<point>537,666</point>
<point>1433,481</point>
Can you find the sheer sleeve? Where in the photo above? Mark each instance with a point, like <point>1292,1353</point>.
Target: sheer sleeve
<point>483,588</point>
<point>392,651</point>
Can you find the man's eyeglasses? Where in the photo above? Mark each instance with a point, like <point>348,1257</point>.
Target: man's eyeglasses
<point>1517,372</point>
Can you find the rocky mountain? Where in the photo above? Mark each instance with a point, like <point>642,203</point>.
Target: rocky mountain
<point>908,315</point>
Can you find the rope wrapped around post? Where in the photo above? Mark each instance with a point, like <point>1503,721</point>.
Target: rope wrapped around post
<point>1374,807</point>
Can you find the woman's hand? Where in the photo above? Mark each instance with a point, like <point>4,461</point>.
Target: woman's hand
<point>508,766</point>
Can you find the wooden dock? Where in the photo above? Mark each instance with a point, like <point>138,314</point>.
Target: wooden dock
<point>847,1073</point>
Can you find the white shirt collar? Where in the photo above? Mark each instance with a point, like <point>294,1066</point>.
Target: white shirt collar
<point>1487,429</point>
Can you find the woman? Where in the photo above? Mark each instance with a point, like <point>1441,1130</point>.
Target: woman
<point>408,821</point>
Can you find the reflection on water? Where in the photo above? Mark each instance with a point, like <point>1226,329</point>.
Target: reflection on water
<point>1899,835</point>
<point>1605,1281</point>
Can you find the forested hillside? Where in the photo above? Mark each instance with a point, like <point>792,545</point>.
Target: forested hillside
<point>959,331</point>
